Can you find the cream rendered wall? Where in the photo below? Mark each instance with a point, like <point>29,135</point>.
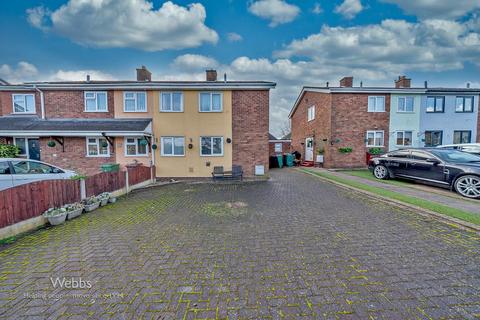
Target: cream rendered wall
<point>192,124</point>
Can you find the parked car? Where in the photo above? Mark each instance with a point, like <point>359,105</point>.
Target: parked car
<point>456,170</point>
<point>465,147</point>
<point>14,172</point>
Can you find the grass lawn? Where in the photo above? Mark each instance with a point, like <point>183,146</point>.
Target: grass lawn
<point>365,173</point>
<point>429,205</point>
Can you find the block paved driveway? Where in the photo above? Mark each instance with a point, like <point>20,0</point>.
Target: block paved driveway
<point>294,247</point>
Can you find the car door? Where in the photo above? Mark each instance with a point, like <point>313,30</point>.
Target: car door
<point>397,162</point>
<point>421,167</point>
<point>5,175</point>
<point>26,171</point>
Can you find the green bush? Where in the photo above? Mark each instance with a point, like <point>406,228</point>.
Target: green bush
<point>375,151</point>
<point>345,149</point>
<point>9,151</point>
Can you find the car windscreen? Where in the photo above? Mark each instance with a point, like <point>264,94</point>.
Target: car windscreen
<point>456,156</point>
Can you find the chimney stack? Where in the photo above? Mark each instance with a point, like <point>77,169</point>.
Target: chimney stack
<point>346,82</point>
<point>88,78</point>
<point>425,84</point>
<point>143,74</point>
<point>403,82</point>
<point>468,85</point>
<point>211,75</point>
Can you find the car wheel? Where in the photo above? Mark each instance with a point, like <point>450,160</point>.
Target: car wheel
<point>468,186</point>
<point>380,172</point>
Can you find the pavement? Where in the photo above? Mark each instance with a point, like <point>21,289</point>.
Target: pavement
<point>293,247</point>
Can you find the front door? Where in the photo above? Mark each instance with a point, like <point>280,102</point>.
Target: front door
<point>309,149</point>
<point>33,149</point>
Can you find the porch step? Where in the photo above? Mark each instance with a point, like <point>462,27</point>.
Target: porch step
<point>307,164</point>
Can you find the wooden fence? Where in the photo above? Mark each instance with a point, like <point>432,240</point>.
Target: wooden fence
<point>31,200</point>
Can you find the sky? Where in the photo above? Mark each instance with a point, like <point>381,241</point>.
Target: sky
<point>293,43</point>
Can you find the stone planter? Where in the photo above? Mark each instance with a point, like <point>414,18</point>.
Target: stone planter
<point>112,200</point>
<point>74,213</point>
<point>56,220</point>
<point>91,207</point>
<point>104,202</point>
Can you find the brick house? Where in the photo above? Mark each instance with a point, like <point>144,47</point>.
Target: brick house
<point>278,146</point>
<point>346,122</point>
<point>183,127</point>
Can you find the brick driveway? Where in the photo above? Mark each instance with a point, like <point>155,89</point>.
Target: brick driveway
<point>293,247</point>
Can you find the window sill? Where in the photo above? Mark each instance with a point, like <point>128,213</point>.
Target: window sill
<point>101,156</point>
<point>146,111</point>
<point>211,155</point>
<point>16,113</point>
<point>375,146</point>
<point>167,111</point>
<point>210,111</point>
<point>408,112</point>
<point>172,156</point>
<point>95,111</point>
<point>137,155</point>
<point>377,111</point>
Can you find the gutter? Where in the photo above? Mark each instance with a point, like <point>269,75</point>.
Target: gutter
<point>42,101</point>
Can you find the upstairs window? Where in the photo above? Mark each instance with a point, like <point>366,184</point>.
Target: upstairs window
<point>311,113</point>
<point>171,102</point>
<point>405,104</point>
<point>464,104</point>
<point>134,102</point>
<point>23,103</point>
<point>96,101</point>
<point>376,104</point>
<point>435,104</point>
<point>211,102</point>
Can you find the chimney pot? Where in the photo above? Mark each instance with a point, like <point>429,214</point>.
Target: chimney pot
<point>403,82</point>
<point>426,84</point>
<point>328,84</point>
<point>88,78</point>
<point>346,82</point>
<point>143,74</point>
<point>468,85</point>
<point>211,75</point>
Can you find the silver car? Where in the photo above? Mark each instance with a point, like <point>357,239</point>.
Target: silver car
<point>465,147</point>
<point>15,172</point>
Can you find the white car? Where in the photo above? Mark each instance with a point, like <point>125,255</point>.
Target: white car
<point>465,147</point>
<point>15,171</point>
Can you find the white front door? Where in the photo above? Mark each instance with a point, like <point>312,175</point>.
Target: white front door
<point>309,149</point>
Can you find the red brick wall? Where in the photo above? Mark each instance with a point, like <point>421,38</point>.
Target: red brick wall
<point>319,127</point>
<point>250,116</point>
<point>6,105</point>
<point>74,157</point>
<point>71,104</point>
<point>350,122</point>
<point>285,148</point>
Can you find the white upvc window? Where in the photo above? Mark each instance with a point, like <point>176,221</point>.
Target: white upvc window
<point>23,103</point>
<point>311,113</point>
<point>211,102</point>
<point>404,138</point>
<point>405,104</point>
<point>98,147</point>
<point>211,146</point>
<point>135,102</point>
<point>278,147</point>
<point>375,138</point>
<point>96,101</point>
<point>464,104</point>
<point>171,102</point>
<point>22,144</point>
<point>134,146</point>
<point>376,104</point>
<point>173,146</point>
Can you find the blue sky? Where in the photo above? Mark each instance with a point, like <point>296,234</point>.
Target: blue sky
<point>294,43</point>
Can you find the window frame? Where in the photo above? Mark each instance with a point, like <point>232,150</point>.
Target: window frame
<point>211,93</point>
<point>375,138</point>
<point>171,93</point>
<point>27,154</point>
<point>403,139</point>
<point>137,140</point>
<point>97,140</point>
<point>405,106</point>
<point>275,147</point>
<point>135,93</point>
<point>311,113</point>
<point>375,109</point>
<point>162,153</point>
<point>463,107</point>
<point>96,101</point>
<point>461,136</point>
<point>211,141</point>
<point>435,104</point>
<point>432,131</point>
<point>25,101</point>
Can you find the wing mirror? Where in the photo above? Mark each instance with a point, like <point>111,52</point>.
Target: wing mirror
<point>433,161</point>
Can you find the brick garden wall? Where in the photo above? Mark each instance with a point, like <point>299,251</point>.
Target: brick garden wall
<point>250,116</point>
<point>71,104</point>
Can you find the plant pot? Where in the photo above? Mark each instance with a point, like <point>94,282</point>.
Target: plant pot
<point>104,202</point>
<point>74,213</point>
<point>91,207</point>
<point>112,199</point>
<point>56,220</point>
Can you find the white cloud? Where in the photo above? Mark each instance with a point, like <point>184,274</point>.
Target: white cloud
<point>349,8</point>
<point>127,23</point>
<point>234,37</point>
<point>79,75</point>
<point>24,71</point>
<point>317,8</point>
<point>437,8</point>
<point>193,62</point>
<point>277,11</point>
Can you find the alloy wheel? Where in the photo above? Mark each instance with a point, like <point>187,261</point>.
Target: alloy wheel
<point>380,172</point>
<point>468,186</point>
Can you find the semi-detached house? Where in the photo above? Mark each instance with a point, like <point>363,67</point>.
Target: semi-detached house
<point>346,122</point>
<point>184,128</point>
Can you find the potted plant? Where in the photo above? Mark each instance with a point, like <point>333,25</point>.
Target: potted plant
<point>320,152</point>
<point>55,216</point>
<point>345,150</point>
<point>103,197</point>
<point>74,210</point>
<point>91,203</point>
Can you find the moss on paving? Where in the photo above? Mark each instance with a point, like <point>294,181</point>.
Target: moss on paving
<point>425,204</point>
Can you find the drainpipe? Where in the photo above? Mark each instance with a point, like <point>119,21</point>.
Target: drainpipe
<point>42,102</point>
